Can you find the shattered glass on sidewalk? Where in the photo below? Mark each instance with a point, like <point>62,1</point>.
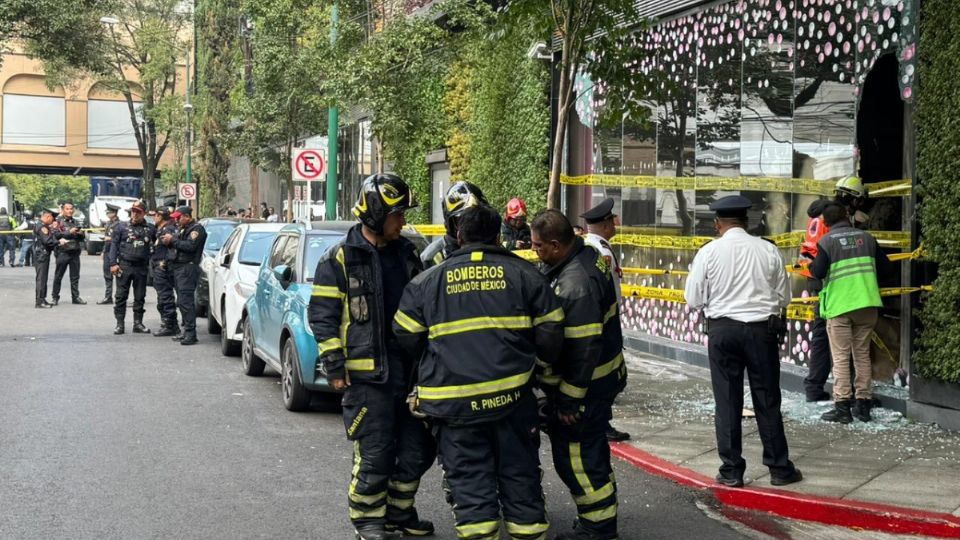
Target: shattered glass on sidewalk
<point>668,409</point>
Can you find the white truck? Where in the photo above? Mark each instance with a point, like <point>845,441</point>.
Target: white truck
<point>97,216</point>
<point>6,199</point>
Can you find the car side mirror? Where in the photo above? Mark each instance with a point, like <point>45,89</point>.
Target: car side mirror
<point>283,273</point>
<point>225,262</point>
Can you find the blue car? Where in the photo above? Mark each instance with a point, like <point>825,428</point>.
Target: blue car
<point>276,329</point>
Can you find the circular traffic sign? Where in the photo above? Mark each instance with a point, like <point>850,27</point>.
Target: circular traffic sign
<point>310,164</point>
<point>188,191</point>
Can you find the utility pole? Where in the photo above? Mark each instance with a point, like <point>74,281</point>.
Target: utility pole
<point>333,128</point>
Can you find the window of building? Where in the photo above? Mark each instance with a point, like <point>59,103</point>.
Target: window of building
<point>109,126</point>
<point>34,120</point>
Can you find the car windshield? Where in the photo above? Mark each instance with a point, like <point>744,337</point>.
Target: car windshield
<point>317,245</point>
<point>217,234</point>
<point>255,247</point>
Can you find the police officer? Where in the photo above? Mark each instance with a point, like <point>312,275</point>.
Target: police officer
<point>7,240</point>
<point>589,375</point>
<point>108,275</point>
<point>69,237</point>
<point>483,318</point>
<point>129,255</point>
<point>740,283</point>
<point>26,243</point>
<point>459,197</point>
<point>601,227</point>
<point>356,291</point>
<point>186,251</point>
<point>44,243</point>
<point>163,276</point>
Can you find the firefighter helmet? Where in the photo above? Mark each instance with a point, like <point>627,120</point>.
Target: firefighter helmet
<point>380,196</point>
<point>459,197</point>
<point>851,185</point>
<point>516,208</point>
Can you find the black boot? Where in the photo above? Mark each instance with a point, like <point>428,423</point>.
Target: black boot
<point>43,305</point>
<point>166,330</point>
<point>106,301</point>
<point>56,301</point>
<point>861,410</point>
<point>178,336</point>
<point>413,527</point>
<point>79,301</point>
<point>190,339</point>
<point>138,327</point>
<point>377,533</point>
<point>615,435</point>
<point>840,413</point>
<point>119,329</point>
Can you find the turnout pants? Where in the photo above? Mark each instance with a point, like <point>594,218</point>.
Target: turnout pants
<point>494,466</point>
<point>185,279</point>
<point>42,265</point>
<point>734,346</point>
<point>131,275</point>
<point>67,260</point>
<point>581,455</point>
<point>391,451</point>
<point>108,279</point>
<point>850,337</point>
<point>166,301</point>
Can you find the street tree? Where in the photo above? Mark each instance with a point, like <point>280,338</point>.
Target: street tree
<point>38,191</point>
<point>64,32</point>
<point>590,34</point>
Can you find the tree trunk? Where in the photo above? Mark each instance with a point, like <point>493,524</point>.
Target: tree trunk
<point>560,132</point>
<point>254,184</point>
<point>290,183</point>
<point>681,198</point>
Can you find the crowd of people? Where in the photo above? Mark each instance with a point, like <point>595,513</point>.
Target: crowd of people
<point>170,248</point>
<point>266,213</point>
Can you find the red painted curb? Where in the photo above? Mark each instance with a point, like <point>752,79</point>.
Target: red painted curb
<point>826,510</point>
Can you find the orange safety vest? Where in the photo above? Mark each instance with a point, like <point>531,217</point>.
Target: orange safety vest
<point>816,229</point>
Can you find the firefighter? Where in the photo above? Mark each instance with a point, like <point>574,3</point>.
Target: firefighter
<point>356,291</point>
<point>515,233</point>
<point>163,276</point>
<point>479,322</point>
<point>589,375</point>
<point>459,197</point>
<point>128,257</point>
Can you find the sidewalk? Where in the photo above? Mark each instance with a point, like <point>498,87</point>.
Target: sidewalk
<point>668,409</point>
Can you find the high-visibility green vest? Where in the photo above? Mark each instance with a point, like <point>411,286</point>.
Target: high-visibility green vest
<point>851,283</point>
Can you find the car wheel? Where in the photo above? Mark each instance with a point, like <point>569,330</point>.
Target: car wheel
<point>252,365</point>
<point>213,327</point>
<point>295,396</point>
<point>228,347</point>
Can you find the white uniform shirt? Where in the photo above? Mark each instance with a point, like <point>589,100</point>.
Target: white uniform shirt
<point>606,251</point>
<point>738,276</point>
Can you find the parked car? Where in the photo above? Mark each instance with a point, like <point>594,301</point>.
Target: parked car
<point>218,229</point>
<point>233,278</point>
<point>275,323</point>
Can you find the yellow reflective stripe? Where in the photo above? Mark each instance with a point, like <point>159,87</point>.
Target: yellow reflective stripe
<point>603,370</point>
<point>327,291</point>
<point>404,486</point>
<point>402,504</point>
<point>408,323</point>
<point>550,380</point>
<point>572,391</point>
<point>543,364</point>
<point>367,499</point>
<point>475,389</point>
<point>584,331</point>
<point>527,529</point>
<point>554,316</point>
<point>378,512</point>
<point>611,313</point>
<point>596,496</point>
<point>609,512</point>
<point>576,465</point>
<point>329,345</point>
<point>438,258</point>
<point>479,323</point>
<point>476,256</point>
<point>483,527</point>
<point>360,364</point>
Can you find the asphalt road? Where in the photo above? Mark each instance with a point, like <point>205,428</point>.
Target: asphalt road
<point>138,437</point>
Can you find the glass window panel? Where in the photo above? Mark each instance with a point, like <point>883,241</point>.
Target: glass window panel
<point>108,125</point>
<point>34,120</point>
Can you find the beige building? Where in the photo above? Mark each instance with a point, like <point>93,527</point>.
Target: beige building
<point>84,129</point>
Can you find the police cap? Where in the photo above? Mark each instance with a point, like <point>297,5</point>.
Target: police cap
<point>52,211</point>
<point>600,212</point>
<point>137,207</point>
<point>112,208</point>
<point>732,206</point>
<point>184,211</point>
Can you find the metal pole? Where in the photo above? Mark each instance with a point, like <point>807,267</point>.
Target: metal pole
<point>333,127</point>
<point>189,110</point>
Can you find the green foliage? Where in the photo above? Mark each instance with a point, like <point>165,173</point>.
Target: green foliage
<point>938,137</point>
<point>65,33</point>
<point>38,191</point>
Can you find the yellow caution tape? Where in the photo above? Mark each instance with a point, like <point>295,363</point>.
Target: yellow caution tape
<point>800,312</point>
<point>787,240</point>
<point>652,293</point>
<point>527,254</point>
<point>801,186</point>
<point>431,230</point>
<point>30,231</point>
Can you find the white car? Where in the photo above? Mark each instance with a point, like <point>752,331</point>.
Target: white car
<point>233,279</point>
